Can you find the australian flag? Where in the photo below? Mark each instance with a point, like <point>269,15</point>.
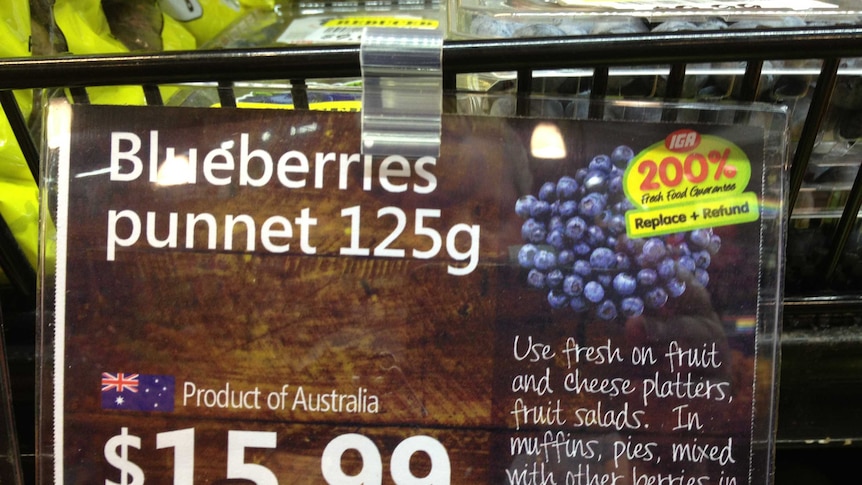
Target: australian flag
<point>137,392</point>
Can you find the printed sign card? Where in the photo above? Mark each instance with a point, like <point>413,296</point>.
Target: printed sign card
<point>241,297</point>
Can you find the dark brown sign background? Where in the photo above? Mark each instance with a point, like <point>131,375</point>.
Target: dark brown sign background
<point>436,349</point>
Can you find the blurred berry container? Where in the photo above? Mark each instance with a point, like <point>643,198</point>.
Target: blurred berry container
<point>835,160</point>
<point>536,18</point>
<point>310,23</point>
<point>326,23</point>
<point>472,19</point>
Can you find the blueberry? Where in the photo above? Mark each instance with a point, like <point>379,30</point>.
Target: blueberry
<point>624,284</point>
<point>624,263</point>
<point>591,205</point>
<point>655,298</point>
<point>702,259</point>
<point>580,175</point>
<point>602,220</point>
<point>582,249</point>
<point>536,278</point>
<point>602,259</point>
<point>632,306</point>
<point>555,208</point>
<point>595,236</point>
<point>527,228</point>
<point>701,237</point>
<point>647,277</point>
<point>524,205</point>
<point>556,223</point>
<point>556,239</point>
<point>701,276</point>
<point>548,192</point>
<point>666,268</point>
<point>681,249</point>
<point>606,310</point>
<point>601,163</point>
<point>545,260</point>
<point>674,26</point>
<point>686,263</point>
<point>554,278</point>
<point>714,244</point>
<point>568,208</point>
<point>632,26</point>
<point>487,26</point>
<point>654,250</point>
<point>605,279</point>
<point>539,30</point>
<point>575,228</point>
<point>675,287</point>
<point>574,28</point>
<point>582,267</point>
<point>628,245</point>
<point>622,155</point>
<point>540,209</point>
<point>615,185</point>
<point>594,292</point>
<point>573,285</point>
<point>557,299</point>
<point>617,225</point>
<point>712,24</point>
<point>565,258</point>
<point>533,231</point>
<point>595,181</point>
<point>526,255</point>
<point>567,187</point>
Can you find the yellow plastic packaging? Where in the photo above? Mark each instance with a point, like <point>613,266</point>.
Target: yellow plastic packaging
<point>18,191</point>
<point>87,31</point>
<point>207,18</point>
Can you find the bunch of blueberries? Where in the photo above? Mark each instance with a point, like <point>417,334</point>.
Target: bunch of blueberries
<point>576,247</point>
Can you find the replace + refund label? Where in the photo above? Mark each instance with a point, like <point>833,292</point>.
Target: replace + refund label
<point>688,181</point>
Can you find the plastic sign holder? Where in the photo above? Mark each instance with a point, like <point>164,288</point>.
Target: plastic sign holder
<point>402,91</point>
<point>259,301</point>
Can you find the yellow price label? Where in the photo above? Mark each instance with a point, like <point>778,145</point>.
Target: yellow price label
<point>352,106</point>
<point>388,22</point>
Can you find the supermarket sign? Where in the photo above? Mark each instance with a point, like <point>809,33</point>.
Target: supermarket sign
<point>249,298</point>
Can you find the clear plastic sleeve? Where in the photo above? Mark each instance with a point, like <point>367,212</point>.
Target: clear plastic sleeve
<point>551,298</point>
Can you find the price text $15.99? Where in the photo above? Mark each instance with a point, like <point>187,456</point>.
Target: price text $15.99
<point>183,443</point>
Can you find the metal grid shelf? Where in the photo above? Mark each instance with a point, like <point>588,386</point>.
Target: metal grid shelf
<point>523,56</point>
<point>807,386</point>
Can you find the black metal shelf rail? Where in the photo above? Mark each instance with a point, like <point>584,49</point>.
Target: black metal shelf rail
<point>523,56</point>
